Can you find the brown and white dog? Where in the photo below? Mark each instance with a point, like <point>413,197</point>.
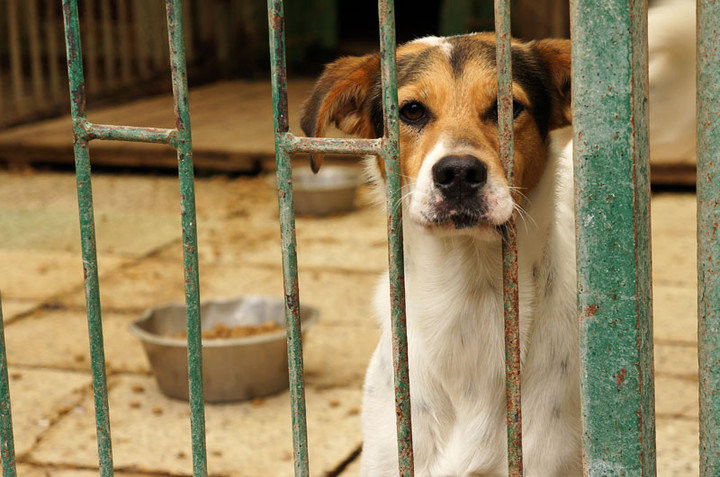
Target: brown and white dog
<point>455,196</point>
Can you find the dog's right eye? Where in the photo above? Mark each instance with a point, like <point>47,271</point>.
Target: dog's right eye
<point>412,112</point>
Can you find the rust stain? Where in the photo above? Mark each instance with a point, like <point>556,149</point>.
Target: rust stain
<point>620,377</point>
<point>589,311</point>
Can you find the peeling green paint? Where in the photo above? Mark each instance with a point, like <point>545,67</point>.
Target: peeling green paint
<point>708,217</point>
<point>179,138</point>
<point>613,235</point>
<point>388,147</point>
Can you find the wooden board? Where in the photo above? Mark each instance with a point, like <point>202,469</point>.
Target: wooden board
<point>232,128</point>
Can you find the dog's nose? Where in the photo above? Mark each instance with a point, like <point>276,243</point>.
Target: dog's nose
<point>459,176</point>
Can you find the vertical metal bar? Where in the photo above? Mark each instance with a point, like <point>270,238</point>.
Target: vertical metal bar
<point>7,446</point>
<point>612,201</point>
<point>708,216</point>
<point>390,155</point>
<point>87,234</point>
<point>509,243</point>
<point>189,226</point>
<point>276,19</point>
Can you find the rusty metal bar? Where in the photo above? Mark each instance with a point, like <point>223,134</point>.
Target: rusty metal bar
<point>7,445</point>
<point>276,19</point>
<point>509,243</point>
<point>287,144</point>
<point>294,144</point>
<point>612,206</point>
<point>708,216</point>
<point>129,133</point>
<point>87,233</point>
<point>178,69</point>
<point>396,260</point>
<point>180,138</point>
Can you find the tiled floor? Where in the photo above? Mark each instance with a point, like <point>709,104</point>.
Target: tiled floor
<point>140,262</point>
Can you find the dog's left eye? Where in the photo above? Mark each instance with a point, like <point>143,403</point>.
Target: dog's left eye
<point>412,112</point>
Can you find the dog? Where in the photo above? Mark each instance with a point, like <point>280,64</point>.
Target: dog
<point>455,199</point>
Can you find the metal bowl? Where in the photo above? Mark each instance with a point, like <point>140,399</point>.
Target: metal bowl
<point>330,191</point>
<point>233,368</point>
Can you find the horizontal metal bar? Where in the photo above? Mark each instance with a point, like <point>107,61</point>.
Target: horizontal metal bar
<point>329,145</point>
<point>129,133</point>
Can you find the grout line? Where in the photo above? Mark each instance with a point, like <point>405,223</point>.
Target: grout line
<point>340,468</point>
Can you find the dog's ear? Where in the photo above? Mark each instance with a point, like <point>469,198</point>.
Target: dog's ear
<point>555,56</point>
<point>342,96</point>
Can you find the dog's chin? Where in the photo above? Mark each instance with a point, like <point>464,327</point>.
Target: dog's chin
<point>462,223</point>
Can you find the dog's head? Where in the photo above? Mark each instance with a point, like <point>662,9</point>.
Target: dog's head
<point>449,140</point>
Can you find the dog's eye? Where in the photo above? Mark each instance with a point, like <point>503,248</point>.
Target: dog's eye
<point>412,112</point>
<point>492,113</point>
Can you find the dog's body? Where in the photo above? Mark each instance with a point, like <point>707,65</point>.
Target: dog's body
<point>456,346</point>
<point>455,198</point>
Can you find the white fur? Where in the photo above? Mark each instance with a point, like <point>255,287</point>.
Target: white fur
<point>445,45</point>
<point>456,345</point>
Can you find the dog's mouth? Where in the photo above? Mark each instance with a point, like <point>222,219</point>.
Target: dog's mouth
<point>459,219</point>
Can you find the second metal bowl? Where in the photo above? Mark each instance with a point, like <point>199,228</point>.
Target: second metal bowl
<point>233,368</point>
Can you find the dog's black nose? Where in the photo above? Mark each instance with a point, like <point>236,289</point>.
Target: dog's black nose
<point>459,176</point>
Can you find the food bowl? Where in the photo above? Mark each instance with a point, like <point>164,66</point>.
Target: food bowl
<point>330,191</point>
<point>234,368</point>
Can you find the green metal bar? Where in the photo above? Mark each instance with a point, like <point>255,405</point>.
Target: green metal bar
<point>391,158</point>
<point>7,446</point>
<point>388,148</point>
<point>326,145</point>
<point>708,216</point>
<point>129,133</point>
<point>189,231</point>
<point>509,243</point>
<point>180,138</point>
<point>276,20</point>
<point>612,206</point>
<point>87,235</point>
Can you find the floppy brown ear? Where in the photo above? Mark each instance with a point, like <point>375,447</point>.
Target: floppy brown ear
<point>342,96</point>
<point>556,57</point>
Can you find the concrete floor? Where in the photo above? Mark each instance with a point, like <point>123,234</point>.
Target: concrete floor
<point>139,247</point>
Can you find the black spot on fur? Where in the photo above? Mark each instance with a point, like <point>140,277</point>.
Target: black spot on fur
<point>564,366</point>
